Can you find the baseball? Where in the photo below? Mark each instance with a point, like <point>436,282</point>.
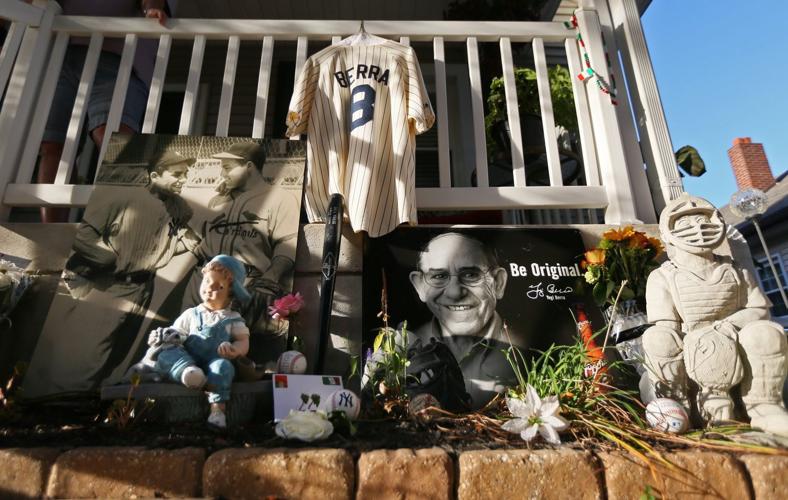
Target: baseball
<point>666,415</point>
<point>422,401</point>
<point>343,400</point>
<point>292,362</point>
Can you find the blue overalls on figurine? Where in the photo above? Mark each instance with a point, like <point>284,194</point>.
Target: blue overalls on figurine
<point>216,335</point>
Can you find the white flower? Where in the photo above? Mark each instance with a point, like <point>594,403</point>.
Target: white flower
<point>535,415</point>
<point>305,426</point>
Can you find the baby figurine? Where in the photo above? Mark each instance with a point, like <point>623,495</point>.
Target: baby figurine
<point>216,335</point>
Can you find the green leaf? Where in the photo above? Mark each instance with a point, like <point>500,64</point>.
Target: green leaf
<point>627,294</point>
<point>600,293</point>
<point>378,341</point>
<point>689,160</point>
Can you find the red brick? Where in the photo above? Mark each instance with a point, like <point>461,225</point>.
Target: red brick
<point>750,165</point>
<point>405,474</point>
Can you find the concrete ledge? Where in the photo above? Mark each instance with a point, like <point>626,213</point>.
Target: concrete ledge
<point>113,472</point>
<point>126,472</point>
<point>257,473</point>
<point>25,471</point>
<point>768,474</point>
<point>399,474</point>
<point>542,474</point>
<point>175,403</point>
<point>698,475</point>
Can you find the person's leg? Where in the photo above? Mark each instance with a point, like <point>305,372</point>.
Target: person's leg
<point>101,100</point>
<point>49,160</point>
<point>220,379</point>
<point>57,124</point>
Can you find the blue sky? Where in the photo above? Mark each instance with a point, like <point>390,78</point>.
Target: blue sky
<point>722,73</point>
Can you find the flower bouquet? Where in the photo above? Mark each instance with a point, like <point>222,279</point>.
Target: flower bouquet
<point>618,269</point>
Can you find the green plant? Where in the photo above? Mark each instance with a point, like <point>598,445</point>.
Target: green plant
<point>528,99</point>
<point>122,413</point>
<point>391,369</point>
<point>9,410</point>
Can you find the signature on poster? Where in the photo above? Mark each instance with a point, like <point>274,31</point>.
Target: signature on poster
<point>549,292</point>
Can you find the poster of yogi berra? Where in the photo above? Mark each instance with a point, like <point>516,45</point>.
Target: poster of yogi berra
<point>457,287</point>
<point>163,206</point>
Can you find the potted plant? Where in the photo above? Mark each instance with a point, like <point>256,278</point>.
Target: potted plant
<point>497,126</point>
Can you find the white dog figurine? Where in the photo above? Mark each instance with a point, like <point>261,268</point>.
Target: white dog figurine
<point>158,340</point>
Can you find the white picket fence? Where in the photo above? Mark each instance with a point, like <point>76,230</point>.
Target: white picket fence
<point>35,46</point>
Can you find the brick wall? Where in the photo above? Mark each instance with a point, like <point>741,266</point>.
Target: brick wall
<point>750,165</point>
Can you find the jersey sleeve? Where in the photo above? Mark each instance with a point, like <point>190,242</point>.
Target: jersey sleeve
<point>420,112</point>
<point>301,102</point>
<point>284,227</point>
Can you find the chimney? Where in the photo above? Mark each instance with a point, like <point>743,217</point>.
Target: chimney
<point>750,165</point>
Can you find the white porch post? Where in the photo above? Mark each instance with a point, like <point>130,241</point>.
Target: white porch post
<point>21,94</point>
<point>643,194</point>
<point>607,130</point>
<point>650,117</point>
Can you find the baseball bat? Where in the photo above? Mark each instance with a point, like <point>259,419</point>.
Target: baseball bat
<point>331,242</point>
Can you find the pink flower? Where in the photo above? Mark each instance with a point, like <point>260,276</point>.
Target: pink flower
<point>287,305</point>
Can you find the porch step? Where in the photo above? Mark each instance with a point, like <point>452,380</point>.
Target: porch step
<point>174,403</point>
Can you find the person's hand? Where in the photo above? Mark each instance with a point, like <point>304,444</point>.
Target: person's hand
<point>156,14</point>
<point>227,351</point>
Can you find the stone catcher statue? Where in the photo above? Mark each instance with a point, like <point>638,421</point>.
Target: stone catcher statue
<point>711,324</point>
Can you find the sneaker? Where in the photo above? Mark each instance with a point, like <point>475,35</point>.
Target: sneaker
<point>218,419</point>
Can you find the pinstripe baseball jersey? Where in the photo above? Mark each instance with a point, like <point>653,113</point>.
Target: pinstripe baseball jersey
<point>362,106</point>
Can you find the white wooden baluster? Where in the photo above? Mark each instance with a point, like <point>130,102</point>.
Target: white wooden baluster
<point>441,113</point>
<point>228,84</point>
<point>32,145</point>
<point>119,93</point>
<point>587,145</point>
<point>188,112</point>
<point>477,107</point>
<point>612,161</point>
<point>263,82</point>
<point>546,109</point>
<point>13,40</point>
<point>71,144</point>
<point>301,49</point>
<point>157,84</point>
<point>512,112</point>
<point>20,95</point>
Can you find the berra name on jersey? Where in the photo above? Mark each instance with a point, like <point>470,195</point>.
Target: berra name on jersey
<point>347,77</point>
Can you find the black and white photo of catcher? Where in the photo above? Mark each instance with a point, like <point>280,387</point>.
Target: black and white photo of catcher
<point>163,206</point>
<point>457,287</point>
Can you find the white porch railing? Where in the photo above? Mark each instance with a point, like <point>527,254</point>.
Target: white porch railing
<point>35,46</point>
